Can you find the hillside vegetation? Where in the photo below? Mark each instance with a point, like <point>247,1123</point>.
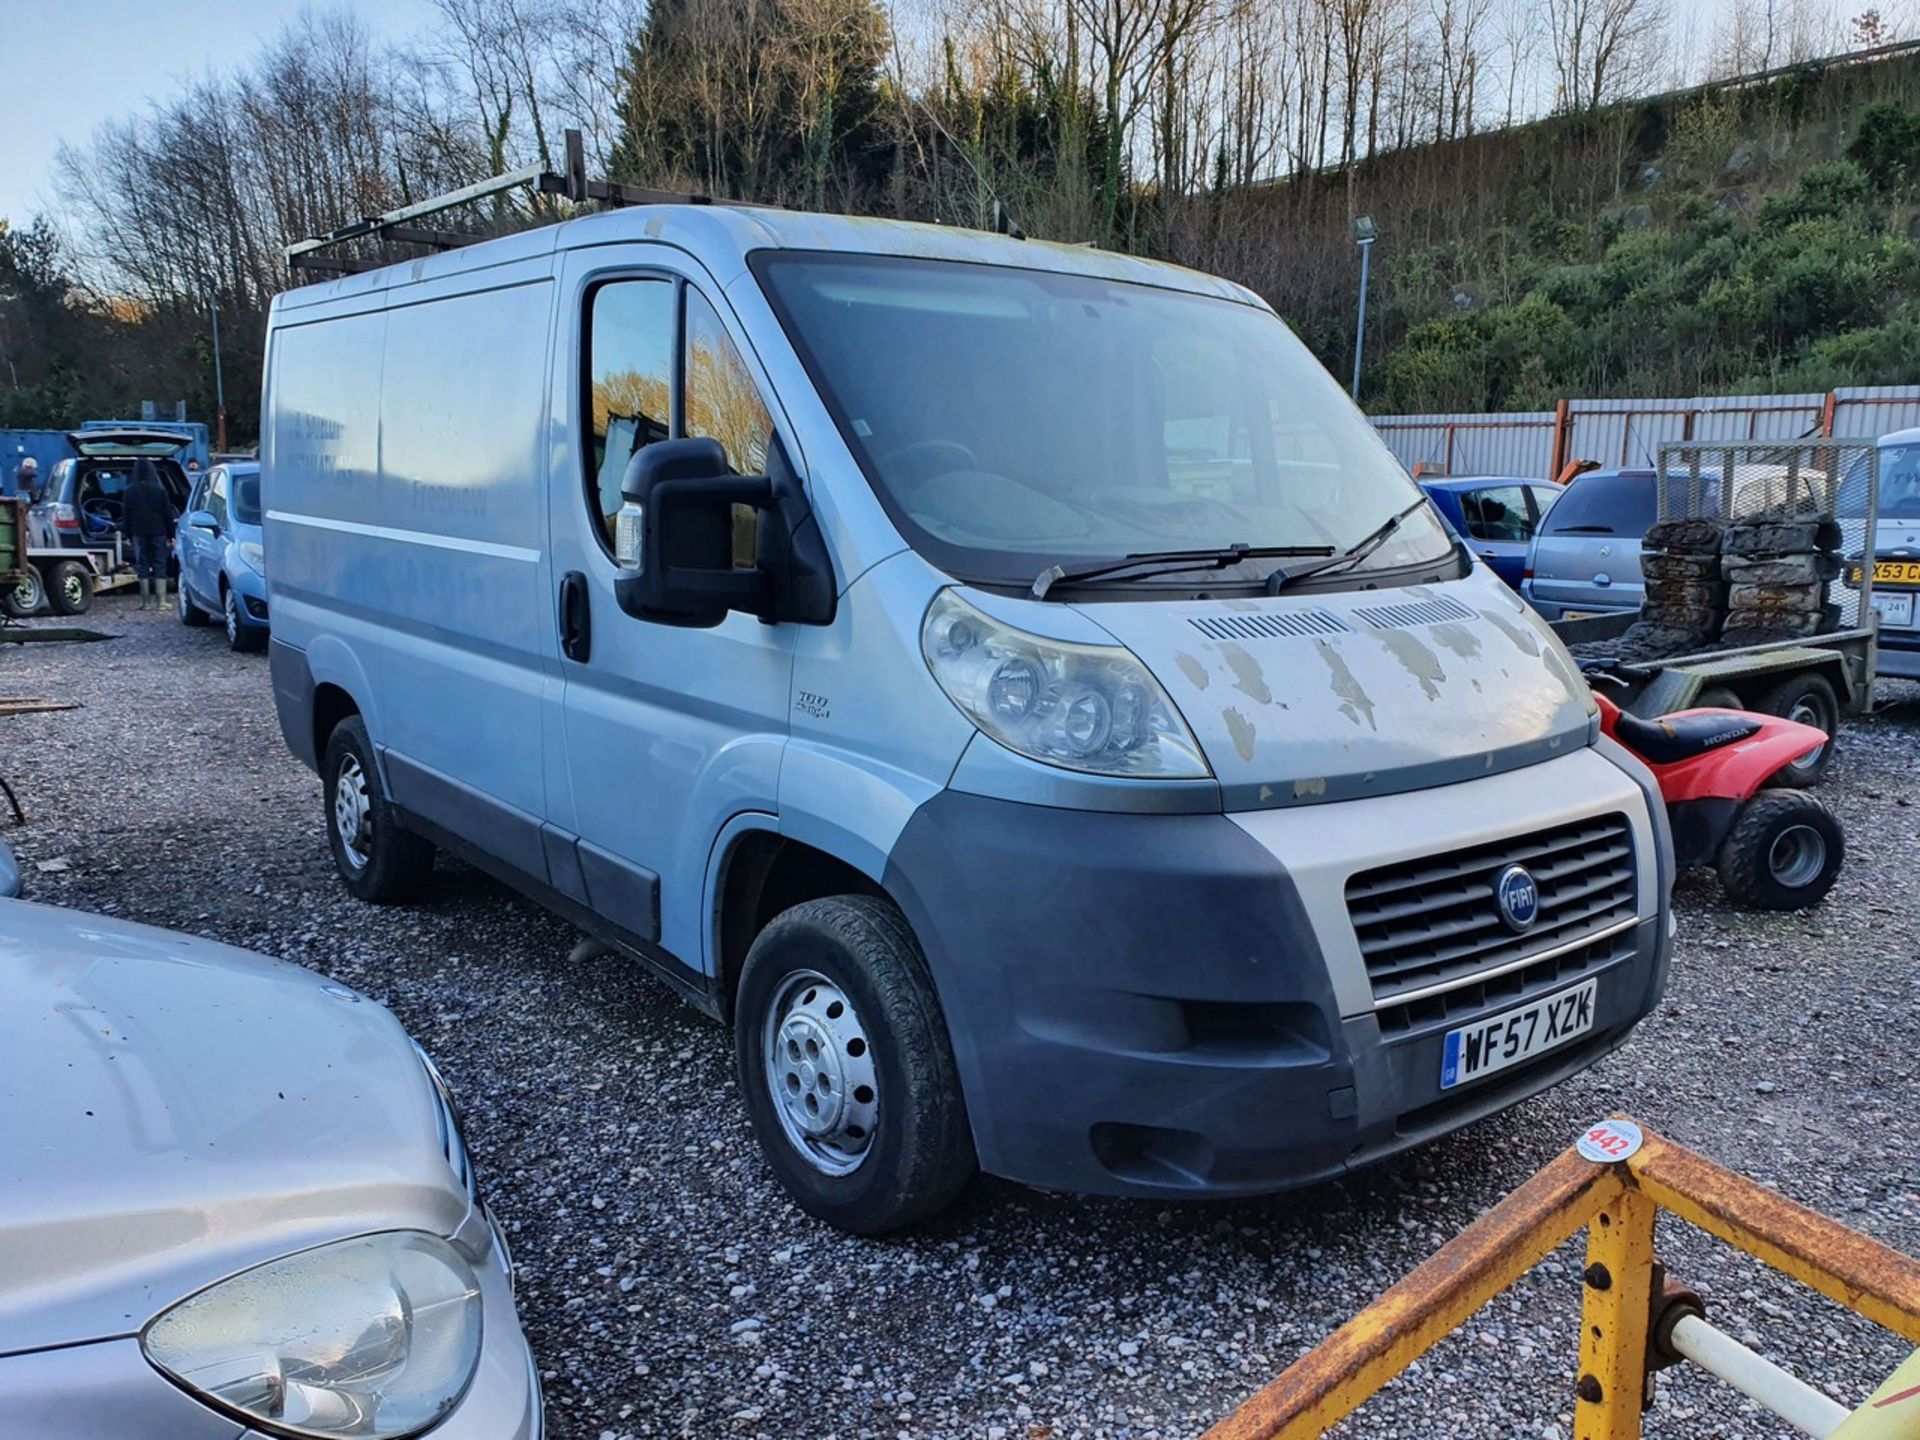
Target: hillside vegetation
<point>1730,242</point>
<point>1750,237</point>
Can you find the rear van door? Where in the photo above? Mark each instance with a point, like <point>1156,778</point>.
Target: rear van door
<point>670,733</point>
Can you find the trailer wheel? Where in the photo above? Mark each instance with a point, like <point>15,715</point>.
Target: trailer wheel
<point>23,598</point>
<point>71,590</point>
<point>1783,853</point>
<point>1807,697</point>
<point>1717,697</point>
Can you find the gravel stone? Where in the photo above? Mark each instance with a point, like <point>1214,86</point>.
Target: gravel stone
<point>174,801</point>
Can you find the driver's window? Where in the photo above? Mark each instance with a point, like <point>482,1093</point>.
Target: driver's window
<point>723,402</point>
<point>217,499</point>
<point>629,368</point>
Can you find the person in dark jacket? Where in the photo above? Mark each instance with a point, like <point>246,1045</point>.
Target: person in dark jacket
<point>147,514</point>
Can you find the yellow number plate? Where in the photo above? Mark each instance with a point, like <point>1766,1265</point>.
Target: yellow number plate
<point>1890,572</point>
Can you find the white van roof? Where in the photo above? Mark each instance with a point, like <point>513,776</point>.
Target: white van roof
<point>1901,437</point>
<point>722,236</point>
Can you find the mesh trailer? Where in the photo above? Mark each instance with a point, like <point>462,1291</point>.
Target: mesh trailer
<point>1759,591</point>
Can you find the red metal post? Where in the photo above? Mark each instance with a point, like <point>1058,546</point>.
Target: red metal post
<point>1559,440</point>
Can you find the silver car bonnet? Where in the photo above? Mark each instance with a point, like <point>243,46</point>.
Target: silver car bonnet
<point>173,1111</point>
<point>1300,700</point>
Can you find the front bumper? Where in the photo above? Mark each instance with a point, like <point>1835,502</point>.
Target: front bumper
<point>107,1391</point>
<point>251,587</point>
<point>1899,654</point>
<point>1176,1005</point>
<point>1557,609</point>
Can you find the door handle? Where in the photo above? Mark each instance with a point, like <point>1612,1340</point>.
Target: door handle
<point>576,618</point>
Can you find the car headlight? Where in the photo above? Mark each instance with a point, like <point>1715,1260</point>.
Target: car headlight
<point>1082,707</point>
<point>252,555</point>
<point>374,1337</point>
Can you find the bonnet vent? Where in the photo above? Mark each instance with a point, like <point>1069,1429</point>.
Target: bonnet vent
<point>1270,627</point>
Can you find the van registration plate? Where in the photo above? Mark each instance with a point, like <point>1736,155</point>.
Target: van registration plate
<point>1516,1035</point>
<point>1895,607</point>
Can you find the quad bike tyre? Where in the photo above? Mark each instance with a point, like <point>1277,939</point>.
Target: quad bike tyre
<point>1783,853</point>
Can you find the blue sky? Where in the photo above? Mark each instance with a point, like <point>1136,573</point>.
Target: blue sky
<point>67,65</point>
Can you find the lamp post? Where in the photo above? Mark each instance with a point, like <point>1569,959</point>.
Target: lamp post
<point>219,382</point>
<point>1365,232</point>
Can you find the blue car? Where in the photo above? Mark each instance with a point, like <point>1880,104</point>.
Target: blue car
<point>1496,515</point>
<point>222,571</point>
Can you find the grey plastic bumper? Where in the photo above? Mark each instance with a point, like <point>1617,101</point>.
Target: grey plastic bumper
<point>1148,1005</point>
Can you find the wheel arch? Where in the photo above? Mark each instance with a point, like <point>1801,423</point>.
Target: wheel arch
<point>338,688</point>
<point>759,871</point>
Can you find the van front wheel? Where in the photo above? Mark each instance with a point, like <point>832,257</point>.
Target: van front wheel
<point>378,860</point>
<point>847,1069</point>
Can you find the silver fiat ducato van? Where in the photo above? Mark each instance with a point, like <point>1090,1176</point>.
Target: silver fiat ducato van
<point>1007,683</point>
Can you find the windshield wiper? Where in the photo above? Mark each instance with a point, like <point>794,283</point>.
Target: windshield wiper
<point>1349,557</point>
<point>1168,562</point>
<point>1582,530</point>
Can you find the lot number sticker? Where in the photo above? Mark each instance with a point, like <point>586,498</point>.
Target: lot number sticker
<point>1609,1141</point>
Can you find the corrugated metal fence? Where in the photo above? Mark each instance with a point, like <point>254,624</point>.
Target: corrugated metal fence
<point>1541,443</point>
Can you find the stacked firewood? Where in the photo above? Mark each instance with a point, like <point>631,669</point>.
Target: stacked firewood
<point>1686,597</point>
<point>1777,570</point>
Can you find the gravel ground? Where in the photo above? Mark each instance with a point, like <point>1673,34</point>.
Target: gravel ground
<point>670,1289</point>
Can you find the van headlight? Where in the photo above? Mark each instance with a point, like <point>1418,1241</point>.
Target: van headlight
<point>1083,707</point>
<point>375,1337</point>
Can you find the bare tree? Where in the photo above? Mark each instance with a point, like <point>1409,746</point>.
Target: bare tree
<point>1603,49</point>
<point>1129,43</point>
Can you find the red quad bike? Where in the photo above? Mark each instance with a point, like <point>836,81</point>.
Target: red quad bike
<point>1775,848</point>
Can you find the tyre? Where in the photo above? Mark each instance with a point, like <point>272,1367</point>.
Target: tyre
<point>23,599</point>
<point>189,613</point>
<point>1717,697</point>
<point>846,1066</point>
<point>1807,697</point>
<point>1783,853</point>
<point>70,588</point>
<point>240,635</point>
<point>378,859</point>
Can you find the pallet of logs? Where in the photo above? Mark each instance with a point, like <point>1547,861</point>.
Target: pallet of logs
<point>1778,572</point>
<point>1686,596</point>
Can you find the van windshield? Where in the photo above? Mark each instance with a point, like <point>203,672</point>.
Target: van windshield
<point>1014,419</point>
<point>1900,481</point>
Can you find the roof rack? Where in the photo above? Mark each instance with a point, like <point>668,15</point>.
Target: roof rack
<point>399,225</point>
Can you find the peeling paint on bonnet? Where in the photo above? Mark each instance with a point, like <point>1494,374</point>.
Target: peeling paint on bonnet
<point>1404,689</point>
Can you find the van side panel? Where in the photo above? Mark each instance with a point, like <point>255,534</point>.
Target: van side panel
<point>467,631</point>
<point>319,466</point>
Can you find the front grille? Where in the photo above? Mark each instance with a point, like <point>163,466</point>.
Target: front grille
<point>1432,924</point>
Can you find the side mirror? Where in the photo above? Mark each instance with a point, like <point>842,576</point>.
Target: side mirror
<point>203,520</point>
<point>676,535</point>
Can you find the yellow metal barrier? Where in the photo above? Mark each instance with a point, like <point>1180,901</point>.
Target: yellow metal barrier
<point>1624,1305</point>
